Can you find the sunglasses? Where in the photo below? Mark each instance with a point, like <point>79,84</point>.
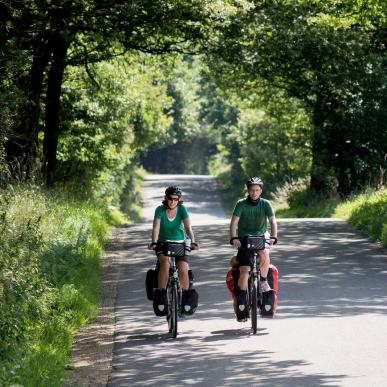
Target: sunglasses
<point>173,199</point>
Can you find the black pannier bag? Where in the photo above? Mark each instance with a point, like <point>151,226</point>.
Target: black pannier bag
<point>151,282</point>
<point>189,301</point>
<point>268,307</point>
<point>160,302</point>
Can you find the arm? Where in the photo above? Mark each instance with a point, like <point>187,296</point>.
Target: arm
<point>155,232</point>
<point>273,229</point>
<point>233,231</point>
<point>189,232</point>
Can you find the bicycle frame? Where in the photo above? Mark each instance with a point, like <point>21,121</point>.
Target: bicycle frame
<point>254,291</point>
<point>174,296</point>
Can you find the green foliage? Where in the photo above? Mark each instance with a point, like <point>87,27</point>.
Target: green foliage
<point>49,272</point>
<point>308,204</point>
<point>327,56</point>
<point>274,142</point>
<point>106,127</point>
<point>188,143</point>
<point>368,213</point>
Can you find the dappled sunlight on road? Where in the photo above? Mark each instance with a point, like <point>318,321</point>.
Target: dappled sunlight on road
<point>332,283</point>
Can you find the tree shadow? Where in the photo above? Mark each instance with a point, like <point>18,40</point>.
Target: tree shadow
<point>326,270</point>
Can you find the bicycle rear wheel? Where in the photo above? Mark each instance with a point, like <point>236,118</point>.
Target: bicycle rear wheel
<point>253,303</point>
<point>173,311</point>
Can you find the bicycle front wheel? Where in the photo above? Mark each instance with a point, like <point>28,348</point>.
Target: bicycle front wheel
<point>174,311</point>
<point>254,307</point>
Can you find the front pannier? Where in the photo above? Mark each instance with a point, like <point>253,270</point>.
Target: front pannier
<point>151,280</point>
<point>189,301</point>
<point>160,302</point>
<point>268,307</point>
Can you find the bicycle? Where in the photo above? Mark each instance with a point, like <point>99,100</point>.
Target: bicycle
<point>173,250</point>
<point>254,244</point>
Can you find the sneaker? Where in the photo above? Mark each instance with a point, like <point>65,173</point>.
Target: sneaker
<point>264,287</point>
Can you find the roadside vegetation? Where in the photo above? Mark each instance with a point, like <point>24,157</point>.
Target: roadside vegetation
<point>366,211</point>
<point>51,246</point>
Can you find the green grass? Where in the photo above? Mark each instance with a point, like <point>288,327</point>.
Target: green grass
<point>368,213</point>
<point>306,204</point>
<point>49,275</point>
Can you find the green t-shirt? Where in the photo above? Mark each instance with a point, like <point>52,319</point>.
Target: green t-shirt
<point>252,219</point>
<point>171,230</point>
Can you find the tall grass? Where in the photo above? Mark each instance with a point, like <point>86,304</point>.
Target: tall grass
<point>49,271</point>
<point>368,213</point>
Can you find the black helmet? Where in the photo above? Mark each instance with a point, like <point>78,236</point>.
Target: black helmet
<point>254,181</point>
<point>173,190</point>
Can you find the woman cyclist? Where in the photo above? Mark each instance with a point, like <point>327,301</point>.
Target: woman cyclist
<point>171,223</point>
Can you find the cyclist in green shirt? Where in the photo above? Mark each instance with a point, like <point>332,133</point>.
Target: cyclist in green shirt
<point>250,217</point>
<point>171,223</point>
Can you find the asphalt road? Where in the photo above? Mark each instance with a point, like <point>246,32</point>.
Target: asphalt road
<point>331,325</point>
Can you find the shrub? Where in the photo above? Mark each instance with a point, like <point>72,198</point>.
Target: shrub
<point>49,272</point>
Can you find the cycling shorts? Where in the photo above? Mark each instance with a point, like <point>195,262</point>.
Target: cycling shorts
<point>243,256</point>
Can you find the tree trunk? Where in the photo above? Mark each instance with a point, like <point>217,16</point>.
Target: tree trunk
<point>327,148</point>
<point>21,147</point>
<point>52,115</point>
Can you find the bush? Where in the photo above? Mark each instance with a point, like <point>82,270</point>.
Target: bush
<point>308,204</point>
<point>49,273</point>
<point>368,213</point>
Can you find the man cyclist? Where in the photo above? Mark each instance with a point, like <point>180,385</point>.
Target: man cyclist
<point>250,217</point>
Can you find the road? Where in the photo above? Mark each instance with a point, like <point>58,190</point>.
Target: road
<point>331,326</point>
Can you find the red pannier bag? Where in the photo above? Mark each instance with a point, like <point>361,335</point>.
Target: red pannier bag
<point>232,279</point>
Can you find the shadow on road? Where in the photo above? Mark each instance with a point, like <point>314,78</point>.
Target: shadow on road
<point>326,270</point>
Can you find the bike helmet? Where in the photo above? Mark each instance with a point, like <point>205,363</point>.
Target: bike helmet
<point>173,190</point>
<point>254,181</point>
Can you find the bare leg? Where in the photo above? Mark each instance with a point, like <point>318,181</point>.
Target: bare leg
<point>183,274</point>
<point>264,262</point>
<point>243,277</point>
<point>163,271</point>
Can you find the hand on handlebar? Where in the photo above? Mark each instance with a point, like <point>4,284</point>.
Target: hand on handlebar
<point>273,240</point>
<point>235,242</point>
<point>152,246</point>
<point>194,246</point>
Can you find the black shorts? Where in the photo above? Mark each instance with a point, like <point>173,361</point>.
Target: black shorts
<point>159,251</point>
<point>244,256</point>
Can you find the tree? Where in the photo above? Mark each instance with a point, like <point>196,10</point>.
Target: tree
<point>317,55</point>
<point>57,33</point>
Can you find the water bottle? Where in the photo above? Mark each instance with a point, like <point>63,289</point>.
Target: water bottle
<point>187,245</point>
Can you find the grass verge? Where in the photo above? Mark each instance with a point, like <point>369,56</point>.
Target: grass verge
<point>49,274</point>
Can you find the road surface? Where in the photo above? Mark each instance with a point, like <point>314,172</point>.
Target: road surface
<point>331,326</point>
